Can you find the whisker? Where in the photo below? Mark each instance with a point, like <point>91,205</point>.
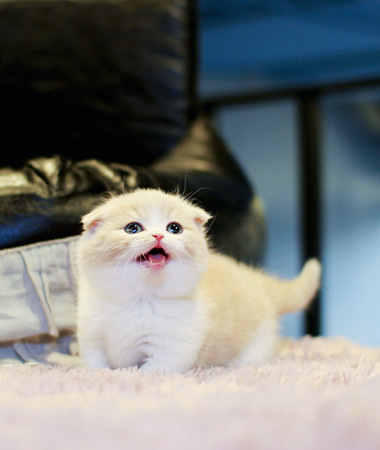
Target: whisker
<point>191,195</point>
<point>210,223</point>
<point>184,184</point>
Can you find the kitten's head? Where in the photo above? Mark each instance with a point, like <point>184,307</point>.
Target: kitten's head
<point>148,229</point>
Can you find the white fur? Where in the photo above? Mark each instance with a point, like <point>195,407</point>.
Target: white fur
<point>199,309</point>
<point>143,327</point>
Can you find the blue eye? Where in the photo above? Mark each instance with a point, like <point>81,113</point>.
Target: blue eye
<point>174,228</point>
<point>133,228</point>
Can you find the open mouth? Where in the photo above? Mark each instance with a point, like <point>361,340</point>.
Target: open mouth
<point>157,257</point>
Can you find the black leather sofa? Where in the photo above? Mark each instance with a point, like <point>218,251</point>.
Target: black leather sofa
<point>101,95</point>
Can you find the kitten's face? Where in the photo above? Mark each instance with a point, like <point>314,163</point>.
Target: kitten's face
<point>147,229</point>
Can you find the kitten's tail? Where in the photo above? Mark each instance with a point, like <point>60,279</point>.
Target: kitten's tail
<point>299,291</point>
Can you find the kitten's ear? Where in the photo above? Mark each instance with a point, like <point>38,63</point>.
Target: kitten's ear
<point>92,220</point>
<point>201,217</point>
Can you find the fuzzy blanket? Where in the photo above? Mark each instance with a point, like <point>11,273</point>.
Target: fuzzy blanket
<point>321,393</point>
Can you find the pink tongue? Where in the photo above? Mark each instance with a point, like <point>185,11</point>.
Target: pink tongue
<point>156,259</point>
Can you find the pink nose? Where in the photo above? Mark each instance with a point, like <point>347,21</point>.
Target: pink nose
<point>158,237</point>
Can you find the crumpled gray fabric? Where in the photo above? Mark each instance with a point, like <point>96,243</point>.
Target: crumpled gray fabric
<point>37,301</point>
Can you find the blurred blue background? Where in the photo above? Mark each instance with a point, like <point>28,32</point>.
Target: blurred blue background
<point>255,45</point>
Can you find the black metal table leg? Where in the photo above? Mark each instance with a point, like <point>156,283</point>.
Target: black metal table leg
<point>309,122</point>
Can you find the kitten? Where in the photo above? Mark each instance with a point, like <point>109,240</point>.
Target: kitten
<point>152,294</point>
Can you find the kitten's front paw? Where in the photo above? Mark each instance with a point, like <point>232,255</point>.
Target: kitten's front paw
<point>95,359</point>
<point>153,366</point>
<point>149,368</point>
<point>96,365</point>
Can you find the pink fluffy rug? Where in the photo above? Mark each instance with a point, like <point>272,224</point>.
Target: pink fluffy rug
<point>319,393</point>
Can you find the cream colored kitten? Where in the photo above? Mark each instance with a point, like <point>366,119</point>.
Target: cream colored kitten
<point>152,294</point>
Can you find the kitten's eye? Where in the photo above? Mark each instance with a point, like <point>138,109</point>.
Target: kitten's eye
<point>174,228</point>
<point>133,228</point>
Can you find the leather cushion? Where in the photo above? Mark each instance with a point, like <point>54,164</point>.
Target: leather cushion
<point>94,79</point>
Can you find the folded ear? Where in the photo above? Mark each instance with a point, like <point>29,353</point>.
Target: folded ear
<point>93,220</point>
<point>200,216</point>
